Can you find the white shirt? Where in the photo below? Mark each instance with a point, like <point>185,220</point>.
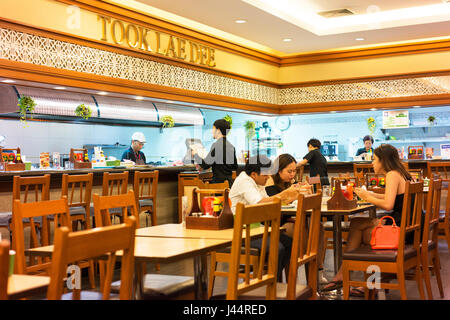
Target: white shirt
<point>246,190</point>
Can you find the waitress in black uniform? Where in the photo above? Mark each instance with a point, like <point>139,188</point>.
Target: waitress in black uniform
<point>222,156</point>
<point>134,153</point>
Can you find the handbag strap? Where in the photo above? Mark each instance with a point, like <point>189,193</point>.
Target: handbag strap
<point>393,221</point>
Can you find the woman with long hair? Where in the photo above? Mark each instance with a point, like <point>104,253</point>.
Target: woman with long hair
<point>386,161</point>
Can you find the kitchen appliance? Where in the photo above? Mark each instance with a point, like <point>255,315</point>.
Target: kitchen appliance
<point>330,150</point>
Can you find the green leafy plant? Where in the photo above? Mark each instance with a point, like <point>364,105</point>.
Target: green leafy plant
<point>431,120</point>
<point>167,121</point>
<point>26,106</point>
<point>250,129</point>
<point>229,119</point>
<point>371,125</point>
<point>83,111</point>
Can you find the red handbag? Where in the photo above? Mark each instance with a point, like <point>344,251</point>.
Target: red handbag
<point>385,236</point>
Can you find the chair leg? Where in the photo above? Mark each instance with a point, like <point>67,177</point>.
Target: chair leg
<point>419,278</point>
<point>426,275</point>
<point>345,280</point>
<point>402,283</point>
<point>212,275</point>
<point>153,216</point>
<point>437,270</point>
<point>91,272</point>
<point>447,236</point>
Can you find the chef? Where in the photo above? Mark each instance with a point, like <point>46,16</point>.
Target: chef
<point>134,153</point>
<point>368,142</point>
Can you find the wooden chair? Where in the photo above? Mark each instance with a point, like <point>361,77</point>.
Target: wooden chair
<point>406,257</point>
<point>429,246</point>
<point>89,244</point>
<point>267,213</point>
<point>24,188</point>
<point>4,269</point>
<point>444,217</point>
<point>299,173</point>
<point>115,184</point>
<point>59,209</point>
<point>102,205</point>
<point>440,168</point>
<point>79,202</point>
<point>145,189</point>
<point>362,167</point>
<point>315,183</point>
<point>305,248</point>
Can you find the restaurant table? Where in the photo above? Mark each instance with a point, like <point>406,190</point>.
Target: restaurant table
<point>337,219</point>
<point>23,285</point>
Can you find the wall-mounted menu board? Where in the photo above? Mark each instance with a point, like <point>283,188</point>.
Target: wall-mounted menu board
<point>395,119</point>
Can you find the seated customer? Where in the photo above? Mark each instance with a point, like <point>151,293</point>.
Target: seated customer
<point>386,161</point>
<point>248,188</point>
<point>282,180</point>
<point>317,162</point>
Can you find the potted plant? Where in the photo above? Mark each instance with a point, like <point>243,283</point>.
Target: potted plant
<point>250,132</point>
<point>229,119</point>
<point>431,120</point>
<point>26,106</point>
<point>167,121</point>
<point>83,111</point>
<point>371,125</point>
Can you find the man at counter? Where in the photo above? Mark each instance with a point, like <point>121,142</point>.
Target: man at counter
<point>134,153</point>
<point>368,142</point>
<point>221,157</point>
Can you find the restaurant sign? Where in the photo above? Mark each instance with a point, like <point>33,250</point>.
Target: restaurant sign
<point>141,38</point>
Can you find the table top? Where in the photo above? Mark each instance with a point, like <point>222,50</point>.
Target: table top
<point>360,208</point>
<point>22,285</point>
<point>159,249</point>
<point>177,231</point>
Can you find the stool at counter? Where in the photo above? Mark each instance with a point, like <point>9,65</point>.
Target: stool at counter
<point>115,184</point>
<point>145,189</point>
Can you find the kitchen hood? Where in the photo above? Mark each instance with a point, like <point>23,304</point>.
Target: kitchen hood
<point>60,105</point>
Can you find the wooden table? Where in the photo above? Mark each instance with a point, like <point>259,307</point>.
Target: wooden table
<point>22,285</point>
<point>337,219</point>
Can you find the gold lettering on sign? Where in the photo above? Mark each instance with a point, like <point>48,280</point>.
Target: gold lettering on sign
<point>140,38</point>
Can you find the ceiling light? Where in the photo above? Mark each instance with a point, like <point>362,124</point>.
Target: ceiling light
<point>373,109</point>
<point>416,106</point>
<point>287,39</point>
<point>60,88</point>
<point>102,93</point>
<point>241,21</point>
<point>333,111</point>
<point>139,98</point>
<point>8,81</point>
<point>360,39</point>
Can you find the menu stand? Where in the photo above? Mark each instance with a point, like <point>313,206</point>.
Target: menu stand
<point>79,162</point>
<point>11,161</point>
<point>224,220</point>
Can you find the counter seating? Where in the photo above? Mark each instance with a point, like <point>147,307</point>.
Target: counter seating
<point>79,201</point>
<point>58,210</point>
<point>145,190</point>
<point>102,241</point>
<point>441,168</point>
<point>115,184</point>
<point>4,269</point>
<point>392,261</point>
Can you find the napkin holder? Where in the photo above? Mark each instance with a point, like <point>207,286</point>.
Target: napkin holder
<point>77,164</point>
<point>224,220</point>
<point>16,165</point>
<point>338,201</point>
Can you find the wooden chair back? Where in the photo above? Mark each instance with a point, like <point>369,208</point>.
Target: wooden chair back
<point>315,183</point>
<point>80,187</point>
<point>269,214</point>
<point>305,249</point>
<point>411,215</point>
<point>439,168</point>
<point>299,173</point>
<point>432,211</point>
<point>25,187</point>
<point>362,167</point>
<point>405,164</point>
<point>115,183</point>
<point>102,205</point>
<point>145,185</point>
<point>4,269</point>
<point>82,245</point>
<point>41,209</point>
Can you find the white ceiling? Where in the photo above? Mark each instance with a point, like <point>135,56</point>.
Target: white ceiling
<point>267,23</point>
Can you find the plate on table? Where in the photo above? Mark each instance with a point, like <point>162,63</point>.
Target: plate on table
<point>289,206</point>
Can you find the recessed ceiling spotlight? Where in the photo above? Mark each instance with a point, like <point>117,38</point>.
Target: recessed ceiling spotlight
<point>373,109</point>
<point>139,98</point>
<point>360,39</point>
<point>102,93</point>
<point>8,81</point>
<point>240,21</point>
<point>287,39</point>
<point>416,106</point>
<point>333,111</point>
<point>60,88</point>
